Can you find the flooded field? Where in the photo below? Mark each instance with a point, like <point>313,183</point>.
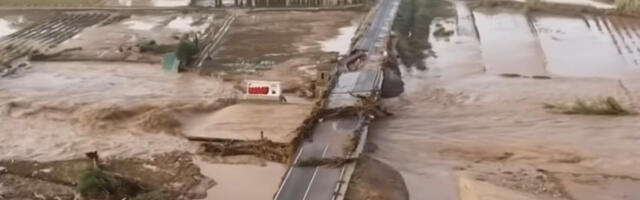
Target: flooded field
<point>589,45</point>
<point>119,39</point>
<point>153,3</point>
<point>91,85</point>
<point>60,3</point>
<point>465,133</point>
<point>267,45</point>
<point>262,179</point>
<point>504,32</point>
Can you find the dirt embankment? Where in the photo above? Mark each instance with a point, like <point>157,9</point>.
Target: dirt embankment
<point>173,174</point>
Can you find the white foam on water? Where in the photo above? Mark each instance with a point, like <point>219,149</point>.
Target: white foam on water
<point>170,3</point>
<point>125,2</point>
<point>341,42</point>
<point>591,3</point>
<point>140,25</point>
<point>6,28</point>
<point>152,3</point>
<point>184,24</point>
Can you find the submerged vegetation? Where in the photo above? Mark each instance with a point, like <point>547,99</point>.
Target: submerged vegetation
<point>628,6</point>
<point>412,28</point>
<point>598,106</point>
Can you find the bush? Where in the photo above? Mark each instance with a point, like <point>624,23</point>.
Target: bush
<point>186,51</point>
<point>97,184</point>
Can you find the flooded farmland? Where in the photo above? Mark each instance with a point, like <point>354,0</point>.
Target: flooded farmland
<point>503,32</point>
<point>203,99</point>
<point>474,126</point>
<point>153,3</point>
<point>80,83</point>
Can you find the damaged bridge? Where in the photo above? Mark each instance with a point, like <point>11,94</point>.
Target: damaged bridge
<point>359,76</point>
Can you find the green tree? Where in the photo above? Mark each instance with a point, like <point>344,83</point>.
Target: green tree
<point>186,51</point>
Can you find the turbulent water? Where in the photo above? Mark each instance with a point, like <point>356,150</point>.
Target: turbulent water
<point>119,109</point>
<point>461,115</point>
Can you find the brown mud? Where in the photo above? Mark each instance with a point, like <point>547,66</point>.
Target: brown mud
<point>275,45</point>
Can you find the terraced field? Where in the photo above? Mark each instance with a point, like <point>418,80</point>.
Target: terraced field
<point>48,34</point>
<point>48,2</point>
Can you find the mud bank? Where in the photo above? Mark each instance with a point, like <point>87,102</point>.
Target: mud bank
<point>174,174</point>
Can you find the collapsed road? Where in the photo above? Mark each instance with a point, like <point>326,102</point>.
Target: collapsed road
<point>329,137</point>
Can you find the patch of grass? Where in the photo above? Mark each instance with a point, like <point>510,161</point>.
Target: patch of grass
<point>98,184</point>
<point>48,2</point>
<point>598,106</point>
<point>152,196</point>
<point>628,6</point>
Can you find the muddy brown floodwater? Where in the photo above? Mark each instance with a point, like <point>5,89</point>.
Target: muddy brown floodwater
<point>120,109</point>
<point>153,3</point>
<point>461,131</point>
